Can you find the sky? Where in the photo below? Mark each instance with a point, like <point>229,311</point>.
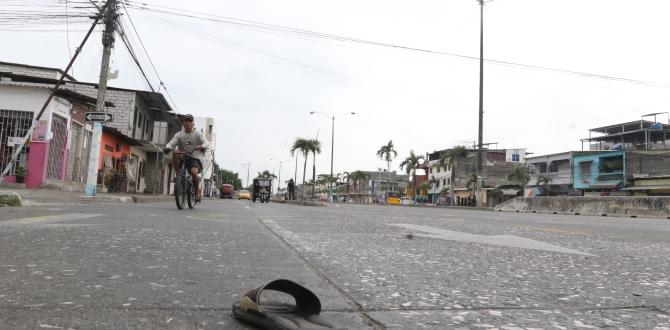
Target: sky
<point>261,86</point>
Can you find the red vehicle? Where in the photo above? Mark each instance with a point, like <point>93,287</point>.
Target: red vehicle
<point>226,191</point>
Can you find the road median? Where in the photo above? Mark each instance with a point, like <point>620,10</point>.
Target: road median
<point>621,206</point>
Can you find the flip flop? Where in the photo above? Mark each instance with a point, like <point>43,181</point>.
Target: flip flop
<point>282,316</point>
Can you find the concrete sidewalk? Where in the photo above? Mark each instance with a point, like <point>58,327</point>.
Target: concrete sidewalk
<point>34,196</point>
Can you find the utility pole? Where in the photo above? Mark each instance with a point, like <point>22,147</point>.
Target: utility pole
<point>332,152</point>
<point>295,175</point>
<point>18,148</point>
<point>248,165</point>
<point>481,100</point>
<point>110,16</point>
<point>279,178</point>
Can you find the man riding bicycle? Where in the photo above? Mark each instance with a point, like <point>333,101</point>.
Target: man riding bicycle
<point>187,141</point>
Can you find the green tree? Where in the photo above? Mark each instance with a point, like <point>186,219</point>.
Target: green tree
<point>345,177</point>
<point>303,146</point>
<point>424,186</point>
<point>266,175</point>
<point>356,177</point>
<point>228,177</point>
<point>472,179</point>
<point>315,148</point>
<point>519,175</point>
<point>544,180</point>
<point>432,184</point>
<point>387,152</point>
<point>411,163</point>
<point>448,159</point>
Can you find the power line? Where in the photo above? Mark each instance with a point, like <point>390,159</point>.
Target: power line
<point>140,40</point>
<point>271,28</point>
<point>67,34</point>
<point>126,42</point>
<point>161,82</point>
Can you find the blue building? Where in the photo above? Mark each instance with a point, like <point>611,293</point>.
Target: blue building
<point>600,171</point>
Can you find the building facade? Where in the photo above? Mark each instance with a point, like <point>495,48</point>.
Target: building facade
<point>206,126</point>
<point>130,156</point>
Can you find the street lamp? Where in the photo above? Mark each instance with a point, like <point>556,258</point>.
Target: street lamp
<point>332,144</point>
<point>248,166</point>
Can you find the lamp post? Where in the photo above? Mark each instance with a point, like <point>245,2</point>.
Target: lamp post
<point>332,145</point>
<point>279,179</point>
<point>247,165</point>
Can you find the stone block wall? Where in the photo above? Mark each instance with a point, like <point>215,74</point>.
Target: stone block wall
<point>30,71</point>
<point>123,109</point>
<point>609,205</point>
<point>651,163</point>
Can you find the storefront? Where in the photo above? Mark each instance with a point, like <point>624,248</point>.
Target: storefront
<point>115,161</point>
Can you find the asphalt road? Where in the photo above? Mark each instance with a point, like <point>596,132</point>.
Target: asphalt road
<point>150,266</point>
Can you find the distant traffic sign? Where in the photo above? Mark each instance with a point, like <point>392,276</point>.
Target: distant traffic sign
<point>98,116</point>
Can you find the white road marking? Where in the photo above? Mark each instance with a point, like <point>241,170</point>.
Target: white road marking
<point>49,218</point>
<point>290,237</point>
<point>498,240</point>
<point>247,207</point>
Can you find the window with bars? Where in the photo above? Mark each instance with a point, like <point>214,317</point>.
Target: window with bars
<point>13,125</point>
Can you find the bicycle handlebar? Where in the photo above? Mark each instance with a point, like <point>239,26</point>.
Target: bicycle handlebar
<point>187,153</point>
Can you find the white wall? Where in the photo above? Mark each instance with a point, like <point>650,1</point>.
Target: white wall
<point>26,98</point>
<point>22,98</point>
<point>142,158</point>
<point>443,176</point>
<point>519,151</point>
<point>202,124</point>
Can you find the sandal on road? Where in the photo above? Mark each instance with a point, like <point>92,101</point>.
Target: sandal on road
<point>275,315</point>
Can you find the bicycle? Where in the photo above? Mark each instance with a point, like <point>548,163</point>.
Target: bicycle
<point>184,192</point>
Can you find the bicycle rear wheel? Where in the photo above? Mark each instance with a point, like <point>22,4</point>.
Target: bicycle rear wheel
<point>190,194</point>
<point>179,189</point>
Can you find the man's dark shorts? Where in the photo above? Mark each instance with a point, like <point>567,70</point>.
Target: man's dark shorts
<point>194,162</point>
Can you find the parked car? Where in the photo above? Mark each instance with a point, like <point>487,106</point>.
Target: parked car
<point>244,194</point>
<point>226,191</point>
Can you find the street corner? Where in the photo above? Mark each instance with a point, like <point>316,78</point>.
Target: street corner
<point>10,198</point>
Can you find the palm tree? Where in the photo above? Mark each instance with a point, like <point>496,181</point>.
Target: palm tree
<point>314,148</point>
<point>356,177</point>
<point>411,163</point>
<point>266,175</point>
<point>472,179</point>
<point>387,153</point>
<point>433,182</point>
<point>449,159</point>
<point>546,180</point>
<point>424,186</point>
<point>519,174</point>
<point>302,145</point>
<point>346,176</point>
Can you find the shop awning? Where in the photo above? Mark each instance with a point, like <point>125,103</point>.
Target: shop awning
<point>126,139</point>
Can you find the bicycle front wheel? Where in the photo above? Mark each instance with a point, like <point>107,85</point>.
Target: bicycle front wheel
<point>179,189</point>
<point>190,194</point>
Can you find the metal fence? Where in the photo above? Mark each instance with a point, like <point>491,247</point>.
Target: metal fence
<point>57,147</point>
<point>14,125</point>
